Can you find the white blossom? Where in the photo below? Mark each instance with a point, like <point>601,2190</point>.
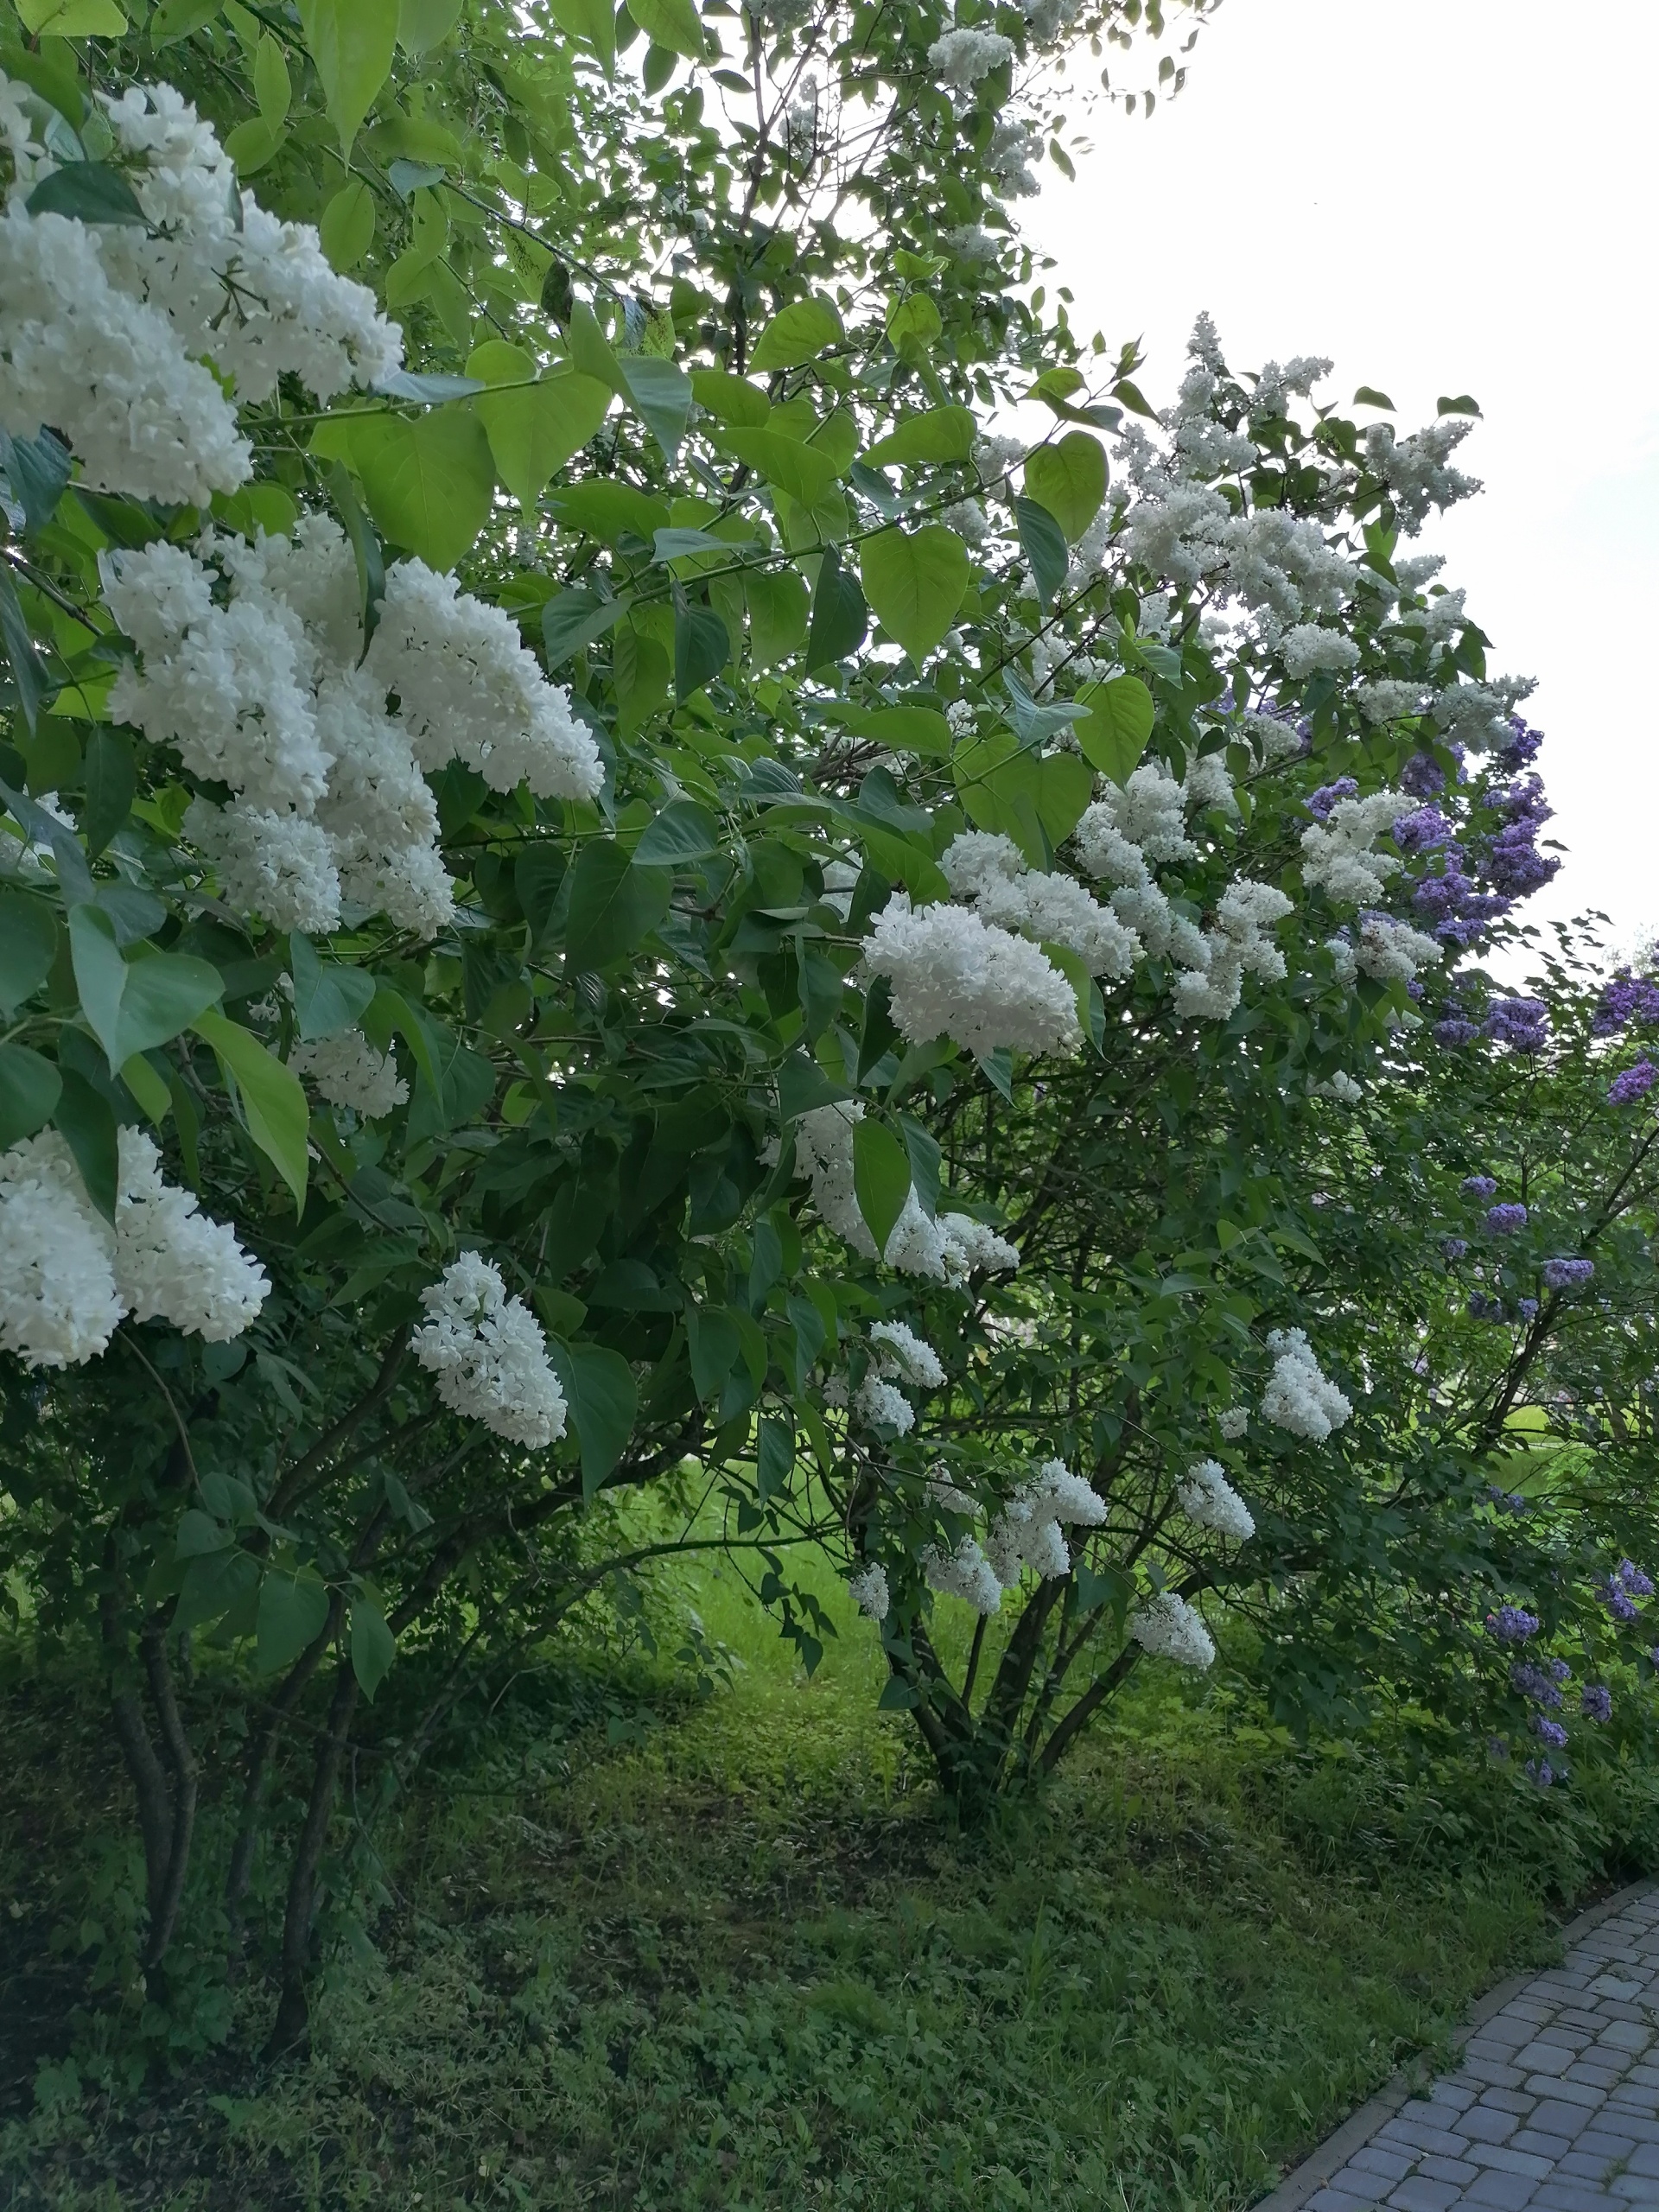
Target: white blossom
<point>1233,1422</point>
<point>489,1355</point>
<point>279,866</point>
<point>1055,909</point>
<point>1389,699</point>
<point>1028,1530</point>
<point>964,1573</point>
<point>1393,951</point>
<point>1168,1628</point>
<point>107,371</point>
<point>1417,469</point>
<point>172,1261</point>
<point>959,58</point>
<point>1337,855</point>
<point>1208,1499</point>
<point>58,1302</point>
<point>468,690</point>
<point>868,1590</point>
<point>348,1071</point>
<point>1299,1397</point>
<point>1307,647</point>
<point>970,1248</point>
<point>878,1405</point>
<point>952,974</point>
<point>899,1351</point>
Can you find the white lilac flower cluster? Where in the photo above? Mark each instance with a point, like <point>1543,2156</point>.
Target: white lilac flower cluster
<point>1299,1396</point>
<point>249,663</point>
<point>1338,854</point>
<point>961,58</point>
<point>1027,1532</point>
<point>991,872</point>
<point>348,1071</point>
<point>1168,1628</point>
<point>897,1354</point>
<point>111,333</point>
<point>1210,1501</point>
<point>949,1248</point>
<point>952,974</point>
<point>868,1591</point>
<point>489,1355</point>
<point>67,1276</point>
<point>1233,1422</point>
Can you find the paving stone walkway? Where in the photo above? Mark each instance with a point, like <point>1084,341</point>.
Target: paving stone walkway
<point>1555,2107</point>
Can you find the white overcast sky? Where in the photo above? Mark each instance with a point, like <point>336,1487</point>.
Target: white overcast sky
<point>1446,196</point>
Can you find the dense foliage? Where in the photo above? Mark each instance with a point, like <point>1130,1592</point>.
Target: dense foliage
<point>629,925</point>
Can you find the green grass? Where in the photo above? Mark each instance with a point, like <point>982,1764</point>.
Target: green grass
<point>748,1963</point>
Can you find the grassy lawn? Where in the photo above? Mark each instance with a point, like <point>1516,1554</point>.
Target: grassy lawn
<point>743,1960</point>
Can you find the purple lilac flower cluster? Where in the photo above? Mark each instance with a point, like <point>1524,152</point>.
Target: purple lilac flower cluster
<point>1505,1220</point>
<point>1635,1082</point>
<point>1567,1274</point>
<point>1453,1248</point>
<point>1622,1589</point>
<point>1456,1029</point>
<point>1481,877</point>
<point>1541,1681</point>
<point>1484,1309</point>
<point>1512,1625</point>
<point>1521,1024</point>
<point>1423,776</point>
<point>1480,1186</point>
<point>1548,1731</point>
<point>1541,1772</point>
<point>1319,803</point>
<point>1425,830</point>
<point>1507,1500</point>
<point>1527,1309</point>
<point>1523,749</point>
<point>1597,1702</point>
<point>1624,999</point>
<point>1514,864</point>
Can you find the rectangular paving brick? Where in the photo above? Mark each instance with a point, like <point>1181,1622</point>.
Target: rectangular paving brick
<point>1501,2192</point>
<point>1377,2158</point>
<point>1419,2195</point>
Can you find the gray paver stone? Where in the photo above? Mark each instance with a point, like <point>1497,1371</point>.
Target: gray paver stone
<point>1507,2192</point>
<point>1378,2158</point>
<point>1543,2145</point>
<point>1644,2159</point>
<point>1419,2195</point>
<point>1483,2125</point>
<point>1365,2188</point>
<point>1455,2169</point>
<point>1337,2199</point>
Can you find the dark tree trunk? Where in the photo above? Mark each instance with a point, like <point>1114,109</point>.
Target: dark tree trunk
<point>292,2027</point>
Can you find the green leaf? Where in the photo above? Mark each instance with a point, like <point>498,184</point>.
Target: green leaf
<point>217,1584</point>
<point>797,333</point>
<point>112,782</point>
<point>804,472</point>
<point>903,730</point>
<point>176,19</point>
<point>661,395</point>
<point>778,606</point>
<point>1462,404</point>
<point>878,1035</point>
<point>428,482</point>
<point>367,552</point>
<point>590,350</point>
<point>39,468</point>
<point>326,999</point>
<point>604,1401</point>
<point>133,1005</point>
<point>573,619</point>
<point>422,24</point>
<point>594,20</point>
<point>351,42</point>
<point>148,1087</point>
<point>1035,799</point>
<point>914,324</point>
<point>347,227</point>
<point>915,581</point>
<point>614,905</point>
<point>774,1456</point>
<point>1369,396</point>
<point>840,618</point>
<point>683,831</point>
<point>1043,543</point>
<point>1113,733</point>
<point>86,1122</point>
<point>73,18</point>
<point>922,1151</point>
<point>278,1117</point>
<point>671,23</point>
<point>702,648</point>
<point>28,673</point>
<point>730,399</point>
<point>293,1612</point>
<point>29,940</point>
<point>271,87</point>
<point>30,1089</point>
<point>941,434</point>
<point>1069,479</point>
<point>608,511</point>
<point>534,430</point>
<point>373,1647</point>
<point>881,1177</point>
